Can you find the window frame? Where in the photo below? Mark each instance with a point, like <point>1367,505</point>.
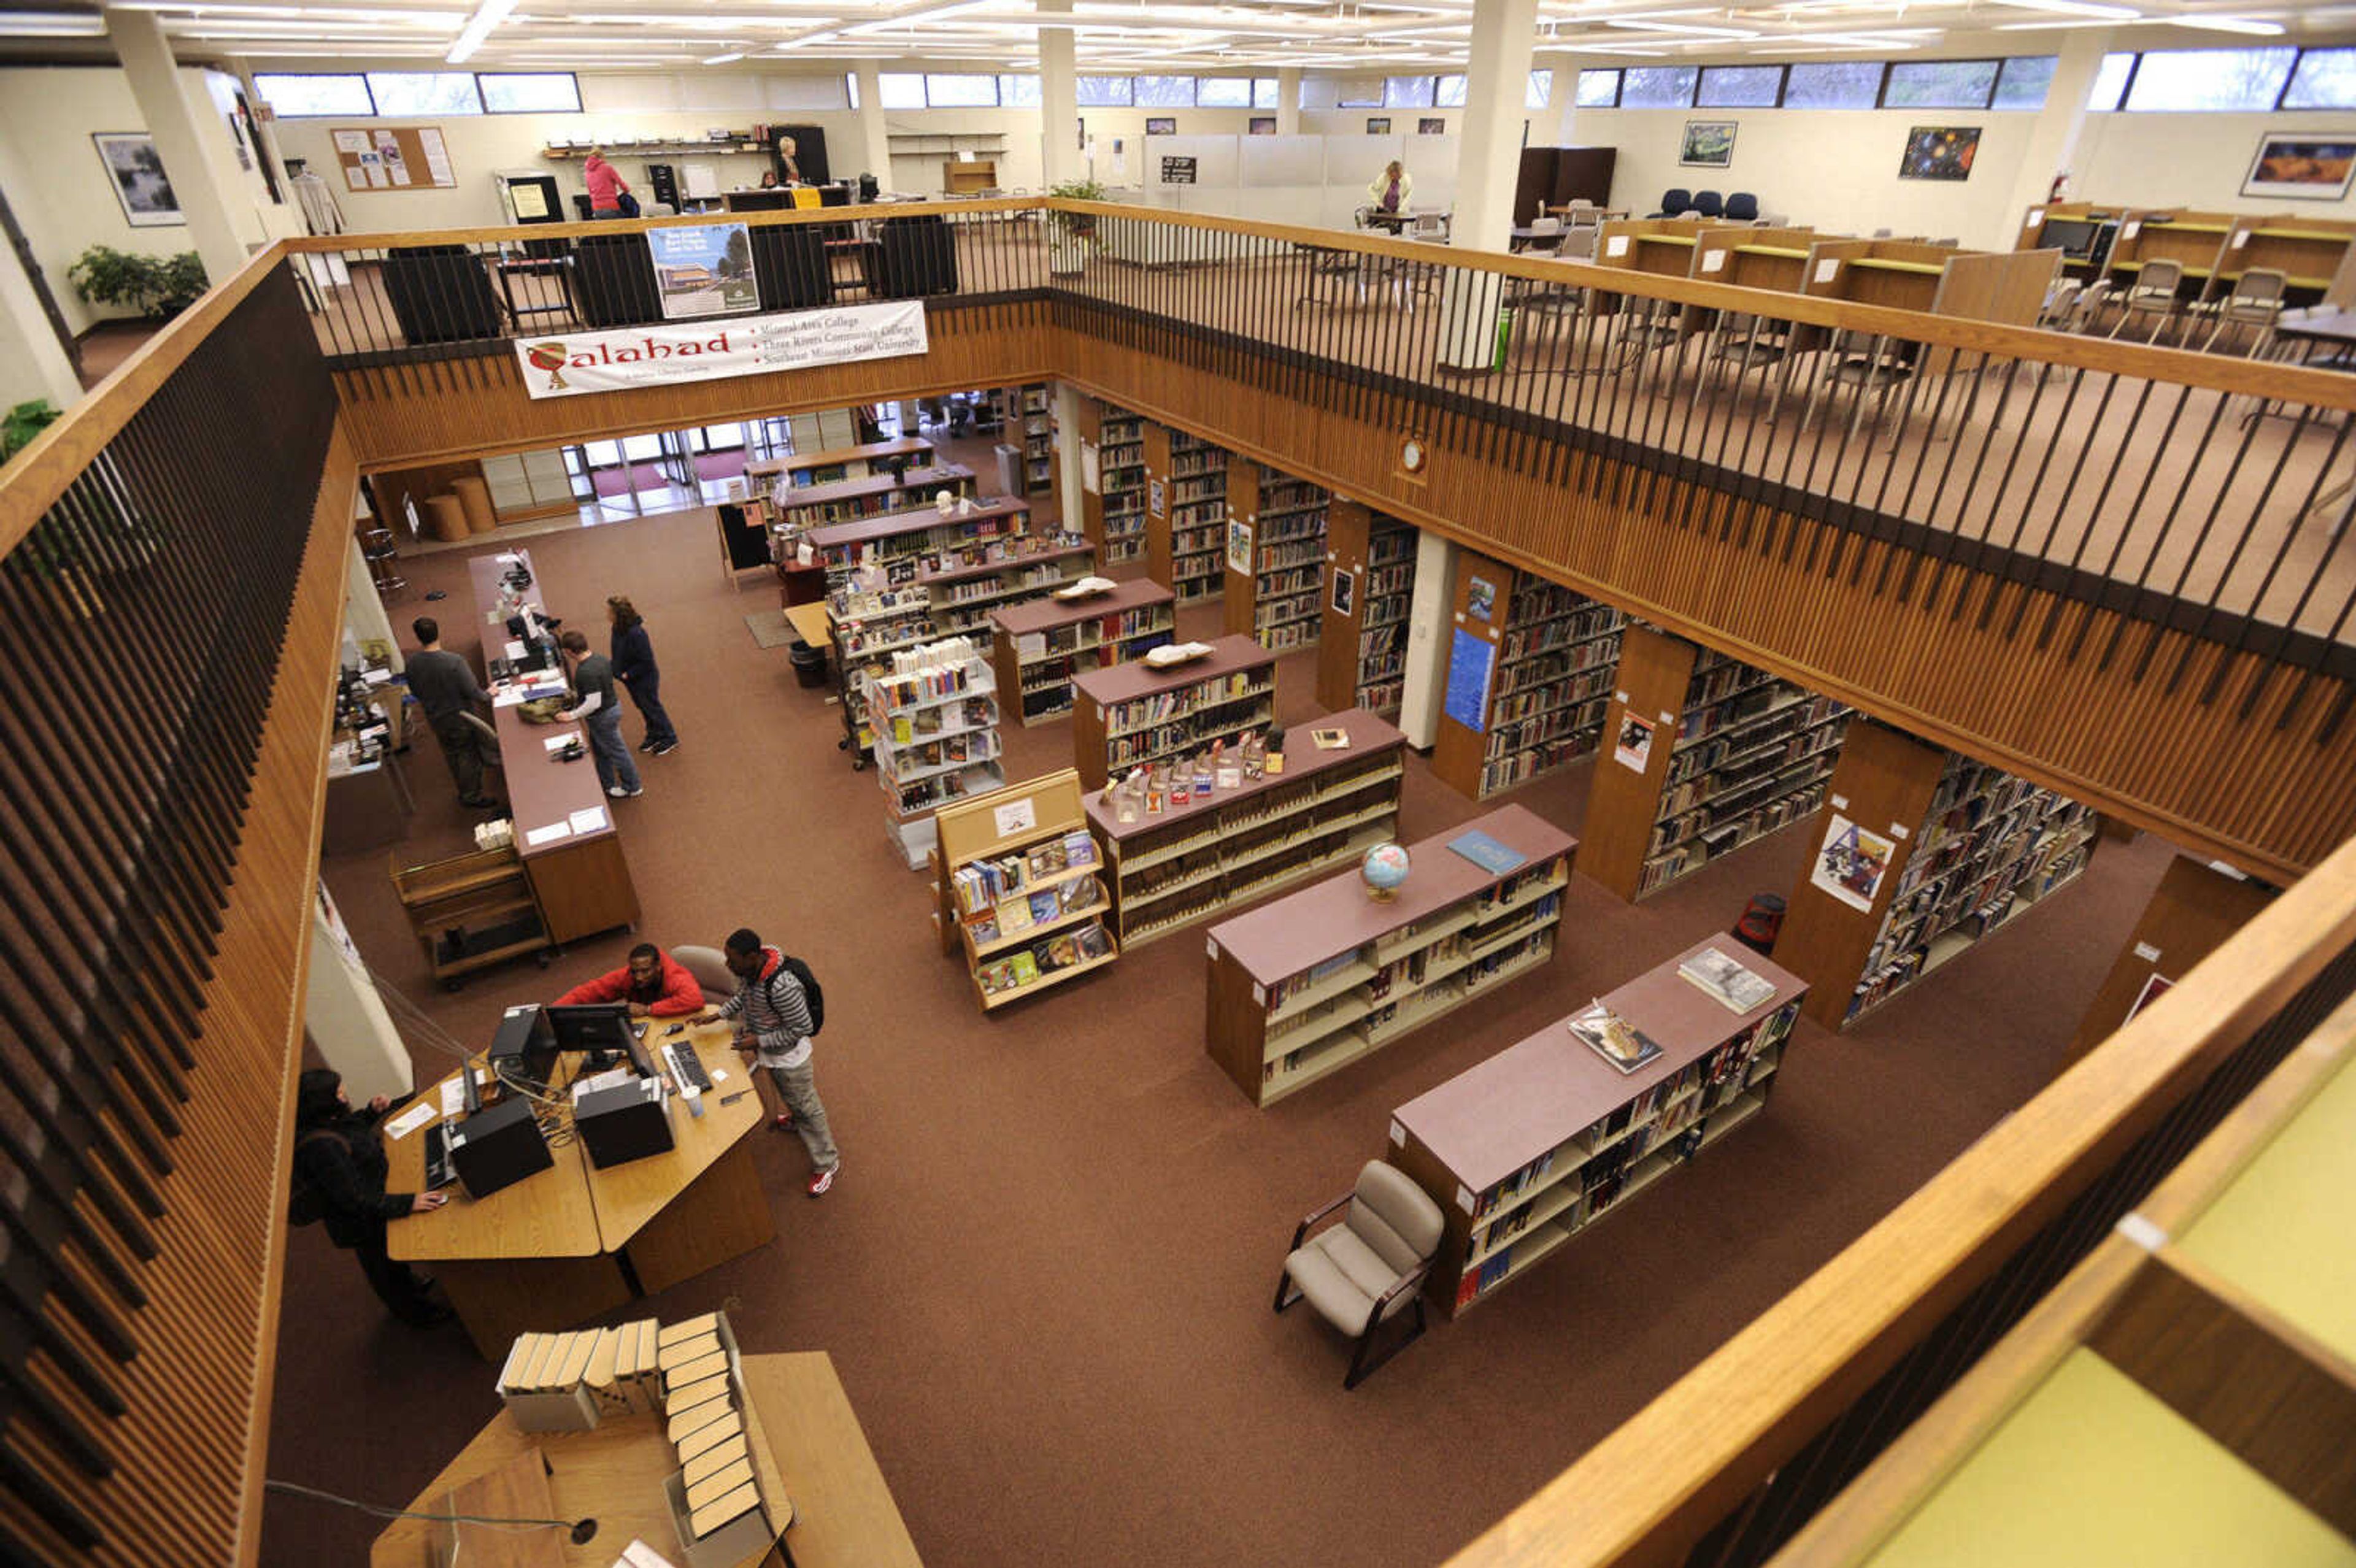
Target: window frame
<point>359,76</point>
<point>484,95</point>
<point>2273,106</point>
<point>1245,83</point>
<point>473,86</point>
<point>2283,105</point>
<point>1890,70</point>
<point>990,77</point>
<point>1782,75</point>
<point>1692,87</point>
<point>1128,96</point>
<point>1612,72</point>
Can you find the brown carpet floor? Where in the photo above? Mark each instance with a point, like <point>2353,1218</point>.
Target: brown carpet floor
<point>1045,1272</point>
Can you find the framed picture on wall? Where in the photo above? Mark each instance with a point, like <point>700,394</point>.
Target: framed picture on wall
<point>1263,126</point>
<point>1432,126</point>
<point>1939,152</point>
<point>1161,125</point>
<point>1379,125</point>
<point>1707,143</point>
<point>137,174</point>
<point>2301,166</point>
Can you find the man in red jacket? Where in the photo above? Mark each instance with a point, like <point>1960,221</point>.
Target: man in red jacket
<point>656,984</point>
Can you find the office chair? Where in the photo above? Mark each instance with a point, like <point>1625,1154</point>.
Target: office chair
<point>2153,293</point>
<point>1743,207</point>
<point>710,967</point>
<point>1709,204</point>
<point>440,293</point>
<point>1370,1268</point>
<point>2256,301</point>
<point>1676,202</point>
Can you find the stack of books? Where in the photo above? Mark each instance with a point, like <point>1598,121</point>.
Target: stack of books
<point>567,1382</point>
<point>1735,988</point>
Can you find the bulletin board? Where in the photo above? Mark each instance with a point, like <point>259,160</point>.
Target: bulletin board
<point>393,157</point>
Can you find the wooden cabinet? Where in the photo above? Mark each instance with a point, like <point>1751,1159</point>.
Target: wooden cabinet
<point>471,911</point>
<point>1369,593</point>
<point>1550,177</point>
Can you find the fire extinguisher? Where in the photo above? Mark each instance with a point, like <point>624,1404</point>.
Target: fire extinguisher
<point>2061,187</point>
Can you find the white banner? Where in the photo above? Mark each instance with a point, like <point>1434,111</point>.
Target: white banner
<point>664,353</point>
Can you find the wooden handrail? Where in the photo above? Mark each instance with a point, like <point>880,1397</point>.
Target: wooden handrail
<point>782,217</point>
<point>1647,1492</point>
<point>32,481</point>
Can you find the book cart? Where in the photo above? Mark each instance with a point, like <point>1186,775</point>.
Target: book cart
<point>1543,1139</point>
<point>1134,714</point>
<point>1920,853</point>
<point>1529,676</point>
<point>1019,891</point>
<point>1369,593</point>
<point>1308,984</point>
<point>1192,859</point>
<point>1703,754</point>
<point>1038,646</point>
<point>934,715</point>
<point>1275,555</point>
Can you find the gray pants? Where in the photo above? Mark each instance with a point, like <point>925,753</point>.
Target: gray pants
<point>797,1088</point>
<point>468,749</point>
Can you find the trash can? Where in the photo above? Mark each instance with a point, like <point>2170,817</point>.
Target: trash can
<point>1762,922</point>
<point>1010,469</point>
<point>809,664</point>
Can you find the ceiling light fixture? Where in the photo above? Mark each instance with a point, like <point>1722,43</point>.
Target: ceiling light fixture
<point>2073,9</point>
<point>2244,25</point>
<point>724,60</point>
<point>489,16</point>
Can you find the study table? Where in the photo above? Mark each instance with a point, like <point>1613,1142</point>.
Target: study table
<point>567,1244</point>
<point>563,822</point>
<point>843,1513</point>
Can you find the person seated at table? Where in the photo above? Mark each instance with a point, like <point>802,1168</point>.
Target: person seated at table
<point>1390,192</point>
<point>654,983</point>
<point>768,179</point>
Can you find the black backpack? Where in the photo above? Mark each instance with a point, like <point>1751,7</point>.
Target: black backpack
<point>303,1204</point>
<point>810,992</point>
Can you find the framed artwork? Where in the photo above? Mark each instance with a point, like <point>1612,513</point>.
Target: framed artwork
<point>1432,125</point>
<point>1939,152</point>
<point>1263,124</point>
<point>137,173</point>
<point>1379,125</point>
<point>1345,590</point>
<point>1709,144</point>
<point>1162,124</point>
<point>2301,167</point>
<point>1481,598</point>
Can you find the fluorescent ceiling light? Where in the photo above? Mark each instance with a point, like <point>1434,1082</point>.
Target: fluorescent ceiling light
<point>489,16</point>
<point>1683,29</point>
<point>2072,8</point>
<point>2222,24</point>
<point>724,60</point>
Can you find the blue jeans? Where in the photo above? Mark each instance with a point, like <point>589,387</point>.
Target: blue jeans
<point>605,747</point>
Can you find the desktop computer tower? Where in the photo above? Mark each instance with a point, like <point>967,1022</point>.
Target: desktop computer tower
<point>498,1148</point>
<point>624,1123</point>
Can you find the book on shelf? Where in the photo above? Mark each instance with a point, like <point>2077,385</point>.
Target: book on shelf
<point>1330,739</point>
<point>1725,981</point>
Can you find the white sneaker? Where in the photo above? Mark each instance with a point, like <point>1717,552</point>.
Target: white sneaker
<point>618,793</point>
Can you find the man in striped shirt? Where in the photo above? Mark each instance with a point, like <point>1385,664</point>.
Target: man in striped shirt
<point>776,1014</point>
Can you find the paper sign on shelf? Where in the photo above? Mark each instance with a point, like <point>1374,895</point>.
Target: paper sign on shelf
<point>589,820</point>
<point>1828,269</point>
<point>1898,830</point>
<point>1398,1134</point>
<point>1464,1197</point>
<point>1616,246</point>
<point>2036,216</point>
<point>1015,817</point>
<point>1713,261</point>
<point>548,835</point>
<point>2145,952</point>
<point>2128,231</point>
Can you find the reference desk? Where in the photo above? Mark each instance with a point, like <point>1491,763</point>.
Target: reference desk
<point>567,1244</point>
<point>843,1513</point>
<point>563,823</point>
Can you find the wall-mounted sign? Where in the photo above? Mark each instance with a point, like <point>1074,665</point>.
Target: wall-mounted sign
<point>1177,170</point>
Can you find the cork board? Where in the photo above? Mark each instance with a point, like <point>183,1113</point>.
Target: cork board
<point>394,157</point>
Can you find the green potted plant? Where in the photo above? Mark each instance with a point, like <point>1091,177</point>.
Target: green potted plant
<point>1070,233</point>
<point>157,287</point>
<point>22,423</point>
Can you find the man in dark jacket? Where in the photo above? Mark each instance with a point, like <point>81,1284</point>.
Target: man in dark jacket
<point>634,666</point>
<point>339,1160</point>
<point>445,686</point>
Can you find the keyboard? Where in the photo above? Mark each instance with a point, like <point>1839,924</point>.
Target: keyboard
<point>438,1173</point>
<point>687,1068</point>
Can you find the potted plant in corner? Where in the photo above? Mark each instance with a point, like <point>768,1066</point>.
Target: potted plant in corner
<point>157,287</point>
<point>1069,234</point>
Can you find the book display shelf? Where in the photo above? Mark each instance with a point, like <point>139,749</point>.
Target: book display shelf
<point>1305,985</point>
<point>934,717</point>
<point>1037,647</point>
<point>1188,860</point>
<point>1185,513</point>
<point>1543,1139</point>
<point>1703,755</point>
<point>1530,678</point>
<point>1021,896</point>
<point>814,508</point>
<point>1275,555</point>
<point>963,594</point>
<point>1134,715</point>
<point>1113,508</point>
<point>1920,853</point>
<point>783,477</point>
<point>1370,591</point>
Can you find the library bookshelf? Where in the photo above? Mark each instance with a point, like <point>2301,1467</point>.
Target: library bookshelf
<point>814,508</point>
<point>1703,755</point>
<point>783,478</point>
<point>1038,646</point>
<point>1185,513</point>
<point>1275,555</point>
<point>1133,714</point>
<point>1028,566</point>
<point>1920,853</point>
<point>1542,1140</point>
<point>1019,894</point>
<point>1529,676</point>
<point>934,717</point>
<point>1304,986</point>
<point>1196,858</point>
<point>1026,422</point>
<point>1113,508</point>
<point>2195,907</point>
<point>1369,593</point>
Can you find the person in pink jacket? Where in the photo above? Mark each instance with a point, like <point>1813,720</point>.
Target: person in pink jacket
<point>606,186</point>
<point>656,984</point>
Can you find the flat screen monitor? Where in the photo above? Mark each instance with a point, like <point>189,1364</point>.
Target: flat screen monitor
<point>2074,238</point>
<point>600,1030</point>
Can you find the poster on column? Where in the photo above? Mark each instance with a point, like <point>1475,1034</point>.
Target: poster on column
<point>570,364</point>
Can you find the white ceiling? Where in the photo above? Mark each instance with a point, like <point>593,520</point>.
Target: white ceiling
<point>1178,36</point>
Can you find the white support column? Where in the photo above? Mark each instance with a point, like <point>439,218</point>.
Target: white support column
<point>33,363</point>
<point>1068,482</point>
<point>874,138</point>
<point>154,78</point>
<point>1566,68</point>
<point>1059,103</point>
<point>1428,639</point>
<point>2054,138</point>
<point>1488,160</point>
<point>346,1018</point>
<point>1287,101</point>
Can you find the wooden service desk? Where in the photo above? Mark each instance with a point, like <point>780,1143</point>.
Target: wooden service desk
<point>843,1513</point>
<point>567,1244</point>
<point>564,821</point>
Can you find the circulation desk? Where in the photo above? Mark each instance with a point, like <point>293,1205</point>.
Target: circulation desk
<point>564,1245</point>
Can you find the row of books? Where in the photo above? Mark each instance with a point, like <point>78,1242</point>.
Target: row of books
<point>913,724</point>
<point>1589,620</point>
<point>706,1426</point>
<point>983,883</point>
<point>1581,721</point>
<point>570,1381</point>
<point>928,673</point>
<point>1811,715</point>
<point>1722,838</point>
<point>1180,701</point>
<point>1309,552</point>
<point>1597,650</point>
<point>1064,950</point>
<point>1503,773</point>
<point>1533,700</point>
<point>1013,916</point>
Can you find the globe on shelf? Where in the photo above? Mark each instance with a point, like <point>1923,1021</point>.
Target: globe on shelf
<point>1385,870</point>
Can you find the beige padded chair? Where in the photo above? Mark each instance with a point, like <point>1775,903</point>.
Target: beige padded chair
<point>2153,292</point>
<point>1368,1270</point>
<point>710,967</point>
<point>2255,302</point>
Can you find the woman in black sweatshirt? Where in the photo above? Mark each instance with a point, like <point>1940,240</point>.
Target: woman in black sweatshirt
<point>634,666</point>
<point>339,1165</point>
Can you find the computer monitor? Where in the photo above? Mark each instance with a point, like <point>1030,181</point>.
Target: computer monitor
<point>600,1030</point>
<point>523,1051</point>
<point>2073,237</point>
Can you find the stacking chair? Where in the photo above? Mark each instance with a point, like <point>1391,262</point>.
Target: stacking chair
<point>2153,293</point>
<point>1370,1268</point>
<point>2256,302</point>
<point>1545,234</point>
<point>1676,202</point>
<point>1709,204</point>
<point>1743,207</point>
